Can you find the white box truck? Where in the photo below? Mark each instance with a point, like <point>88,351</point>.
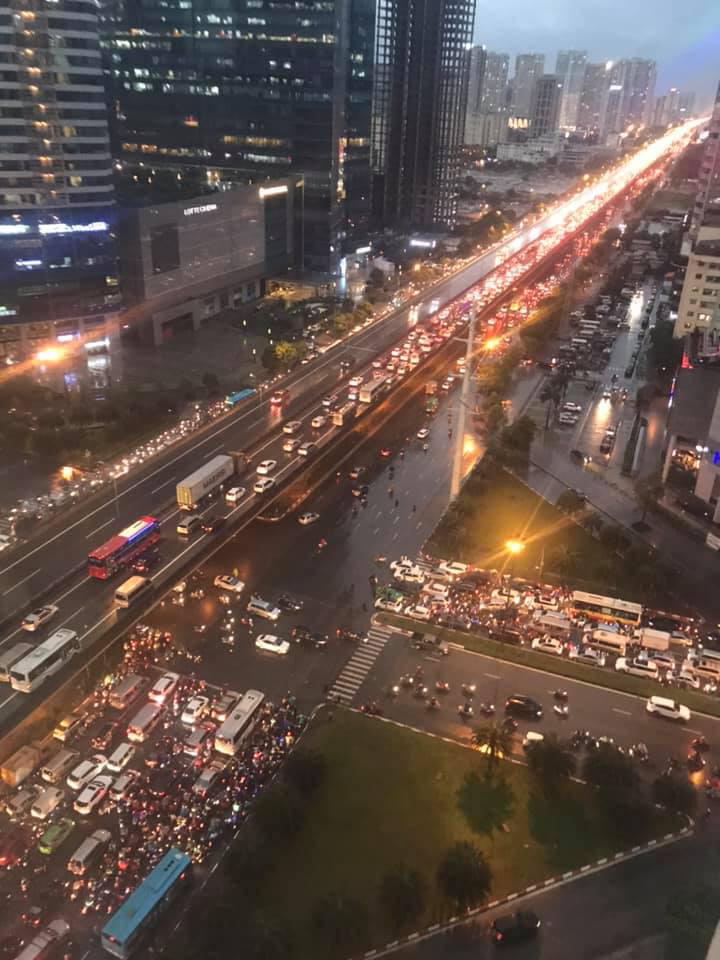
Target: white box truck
<point>653,639</point>
<point>204,482</point>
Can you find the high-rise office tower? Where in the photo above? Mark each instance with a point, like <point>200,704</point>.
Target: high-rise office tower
<point>358,183</point>
<point>477,63</point>
<point>528,67</point>
<point>707,199</point>
<point>58,260</point>
<point>419,102</point>
<point>631,95</point>
<point>487,112</point>
<point>594,97</point>
<point>545,105</point>
<point>570,68</point>
<point>686,107</point>
<point>243,91</point>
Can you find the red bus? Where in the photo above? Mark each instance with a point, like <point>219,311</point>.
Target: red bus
<point>123,547</point>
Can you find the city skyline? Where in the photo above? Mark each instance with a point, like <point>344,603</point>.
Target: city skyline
<point>687,55</point>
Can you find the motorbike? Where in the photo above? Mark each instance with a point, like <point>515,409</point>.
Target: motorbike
<point>465,710</point>
<point>420,692</point>
<point>700,744</point>
<point>639,752</point>
<point>468,689</point>
<point>560,695</point>
<point>561,710</point>
<point>442,686</point>
<point>487,709</point>
<point>695,761</point>
<point>510,724</point>
<point>433,703</point>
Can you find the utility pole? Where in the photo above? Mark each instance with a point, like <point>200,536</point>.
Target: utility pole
<point>464,401</point>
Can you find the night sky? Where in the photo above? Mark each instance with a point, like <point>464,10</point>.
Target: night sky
<point>683,37</point>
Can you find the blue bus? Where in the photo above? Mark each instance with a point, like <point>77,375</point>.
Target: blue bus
<point>233,398</point>
<point>124,931</point>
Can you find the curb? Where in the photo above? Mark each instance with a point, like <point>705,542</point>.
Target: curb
<point>534,890</point>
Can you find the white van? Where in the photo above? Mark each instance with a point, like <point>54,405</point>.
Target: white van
<point>120,757</point>
<point>133,589</point>
<point>59,766</point>
<point>127,691</point>
<point>261,608</point>
<point>607,640</point>
<point>144,722</point>
<point>89,852</point>
<point>188,524</point>
<point>12,656</point>
<point>705,663</point>
<point>48,800</point>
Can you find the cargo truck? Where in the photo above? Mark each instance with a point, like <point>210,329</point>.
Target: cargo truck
<point>344,415</point>
<point>23,762</point>
<point>653,639</point>
<point>204,482</point>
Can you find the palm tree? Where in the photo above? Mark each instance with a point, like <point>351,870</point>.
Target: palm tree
<point>494,740</point>
<point>550,761</point>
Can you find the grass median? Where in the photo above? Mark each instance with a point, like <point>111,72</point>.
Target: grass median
<point>392,796</point>
<point>560,666</point>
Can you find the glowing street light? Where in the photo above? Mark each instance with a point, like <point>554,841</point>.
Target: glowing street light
<point>492,344</point>
<point>514,546</point>
<point>49,355</point>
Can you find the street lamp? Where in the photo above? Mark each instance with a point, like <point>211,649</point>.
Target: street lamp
<point>514,546</point>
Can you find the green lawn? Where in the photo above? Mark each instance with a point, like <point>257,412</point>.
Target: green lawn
<point>495,507</point>
<point>393,796</point>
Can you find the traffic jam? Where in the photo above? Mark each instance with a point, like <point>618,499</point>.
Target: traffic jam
<point>153,760</point>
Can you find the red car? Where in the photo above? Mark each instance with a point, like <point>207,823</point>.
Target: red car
<point>385,452</point>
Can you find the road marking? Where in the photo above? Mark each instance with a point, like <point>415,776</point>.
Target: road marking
<point>21,582</point>
<point>696,732</point>
<point>7,699</point>
<point>102,525</point>
<point>171,480</point>
<point>213,452</point>
<point>625,713</point>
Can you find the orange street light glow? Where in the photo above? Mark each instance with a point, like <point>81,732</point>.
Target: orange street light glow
<point>49,355</point>
<point>514,546</point>
<point>492,343</point>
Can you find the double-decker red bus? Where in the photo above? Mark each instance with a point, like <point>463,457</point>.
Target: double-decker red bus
<point>123,547</point>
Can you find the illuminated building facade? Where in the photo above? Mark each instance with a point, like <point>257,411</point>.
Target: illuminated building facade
<point>244,92</point>
<point>419,102</point>
<point>58,257</point>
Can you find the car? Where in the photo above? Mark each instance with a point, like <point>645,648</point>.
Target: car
<point>146,562</point>
<point>301,634</point>
<point>330,401</point>
<point>356,473</point>
<point>122,784</point>
<point>234,494</point>
<point>579,457</point>
<point>307,518</point>
<point>212,524</point>
<point>121,757</point>
<point>667,709</point>
<point>547,645</point>
<point>104,737</point>
<point>288,603</point>
<point>405,569</point>
<point>292,444</point>
<point>38,618</point>
<point>263,484</point>
<point>519,705</point>
<point>637,668</point>
<point>452,568</point>
<point>423,433</point>
<point>278,397</point>
<point>356,381</point>
<point>567,419</point>
<point>436,590</point>
<point>195,710</point>
<point>345,633</point>
<point>588,655</point>
<point>55,835</point>
<point>21,801</point>
<point>318,421</point>
<point>306,449</point>
<point>69,727</point>
<point>515,927</point>
<point>361,490</point>
<point>265,467</point>
<point>13,847</point>
<point>292,427</point>
<point>164,688</point>
<point>385,452</point>
<point>532,737</point>
<point>208,778</point>
<point>92,795</point>
<point>222,707</point>
<point>86,771</point>
<point>269,643</point>
<point>572,407</point>
<point>420,611</point>
<point>199,738</point>
<point>226,581</point>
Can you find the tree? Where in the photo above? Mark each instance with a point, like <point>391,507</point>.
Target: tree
<point>305,770</point>
<point>463,875</point>
<point>550,761</point>
<point>340,924</point>
<point>520,434</point>
<point>269,359</point>
<point>342,322</point>
<point>608,769</point>
<point>494,740</point>
<point>570,501</point>
<point>286,353</point>
<point>402,895</point>
<point>648,491</point>
<point>675,793</point>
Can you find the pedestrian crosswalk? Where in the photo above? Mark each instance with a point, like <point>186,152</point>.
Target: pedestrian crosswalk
<point>352,675</point>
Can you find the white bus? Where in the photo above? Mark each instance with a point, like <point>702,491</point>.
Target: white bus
<point>373,389</point>
<point>239,724</point>
<point>36,667</point>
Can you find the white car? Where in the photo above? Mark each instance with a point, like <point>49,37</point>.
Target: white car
<point>205,782</point>
<point>453,568</point>
<point>436,590</point>
<point>407,571</point>
<point>164,687</point>
<point>33,621</point>
<point>637,668</point>
<point>195,710</point>
<point>92,795</point>
<point>319,421</point>
<point>86,771</point>
<point>572,407</point>
<point>265,467</point>
<point>272,644</point>
<point>547,645</point>
<point>669,709</point>
<point>292,427</point>
<point>5,542</point>
<point>291,444</point>
<point>120,786</point>
<point>568,419</point>
<point>307,518</point>
<point>121,757</point>
<point>225,581</point>
<point>234,494</point>
<point>419,612</point>
<point>532,737</point>
<point>356,382</point>
<point>423,433</point>
<point>263,484</point>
